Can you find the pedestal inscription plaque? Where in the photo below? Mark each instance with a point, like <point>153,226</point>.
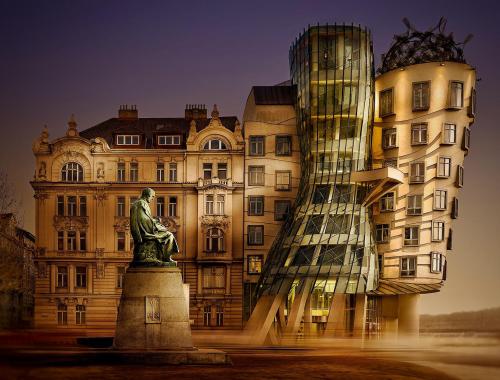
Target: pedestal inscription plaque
<point>152,307</point>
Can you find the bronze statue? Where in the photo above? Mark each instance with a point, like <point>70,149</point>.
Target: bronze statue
<point>154,245</point>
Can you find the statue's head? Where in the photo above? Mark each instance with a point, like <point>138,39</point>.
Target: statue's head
<point>148,194</point>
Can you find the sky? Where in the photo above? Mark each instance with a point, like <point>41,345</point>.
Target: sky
<point>59,58</point>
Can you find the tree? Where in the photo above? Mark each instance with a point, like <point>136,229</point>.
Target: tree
<point>8,200</point>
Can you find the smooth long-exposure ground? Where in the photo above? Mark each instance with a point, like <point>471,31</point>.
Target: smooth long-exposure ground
<point>435,359</point>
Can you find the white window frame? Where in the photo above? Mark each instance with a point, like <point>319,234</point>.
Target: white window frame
<point>215,144</point>
<point>169,140</point>
<point>387,202</point>
<point>414,204</point>
<point>415,174</point>
<point>438,230</point>
<point>128,139</point>
<point>421,94</point>
<point>410,242</point>
<point>389,138</point>
<point>449,134</point>
<point>420,130</point>
<point>436,264</point>
<point>444,167</point>
<point>454,101</point>
<point>256,145</point>
<point>255,235</point>
<point>440,199</point>
<point>408,264</point>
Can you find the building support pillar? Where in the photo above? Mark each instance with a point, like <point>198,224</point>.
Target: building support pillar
<point>335,325</point>
<point>409,317</point>
<point>297,311</point>
<point>360,316</point>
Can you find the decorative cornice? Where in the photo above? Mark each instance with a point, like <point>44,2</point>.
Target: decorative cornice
<point>219,221</point>
<point>70,223</point>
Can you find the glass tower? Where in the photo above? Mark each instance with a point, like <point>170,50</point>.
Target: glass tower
<point>326,245</point>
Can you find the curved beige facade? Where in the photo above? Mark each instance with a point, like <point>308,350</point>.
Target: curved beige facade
<point>425,135</point>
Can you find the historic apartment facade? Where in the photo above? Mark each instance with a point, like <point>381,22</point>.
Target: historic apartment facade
<point>85,183</point>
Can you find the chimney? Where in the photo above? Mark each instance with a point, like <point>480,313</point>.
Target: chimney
<point>195,111</point>
<point>128,112</point>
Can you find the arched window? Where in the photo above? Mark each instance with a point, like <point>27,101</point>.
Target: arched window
<point>215,240</point>
<point>72,172</point>
<point>215,144</point>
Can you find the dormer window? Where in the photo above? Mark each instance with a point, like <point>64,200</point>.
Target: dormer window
<point>128,139</point>
<point>169,140</point>
<point>215,144</point>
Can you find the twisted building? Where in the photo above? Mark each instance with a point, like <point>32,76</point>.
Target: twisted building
<point>380,167</point>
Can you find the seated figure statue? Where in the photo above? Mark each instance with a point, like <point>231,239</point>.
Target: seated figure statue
<point>153,243</point>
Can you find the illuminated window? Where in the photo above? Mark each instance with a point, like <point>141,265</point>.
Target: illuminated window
<point>254,264</point>
<point>72,172</point>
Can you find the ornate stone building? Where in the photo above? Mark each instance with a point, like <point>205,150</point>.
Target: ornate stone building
<point>84,185</point>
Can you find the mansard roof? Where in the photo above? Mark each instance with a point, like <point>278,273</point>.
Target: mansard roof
<point>151,127</point>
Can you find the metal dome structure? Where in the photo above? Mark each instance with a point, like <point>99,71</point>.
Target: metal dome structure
<point>415,47</point>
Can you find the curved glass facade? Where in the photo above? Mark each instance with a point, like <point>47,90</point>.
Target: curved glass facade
<point>326,246</point>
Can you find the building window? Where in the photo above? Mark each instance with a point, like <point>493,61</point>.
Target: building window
<point>449,241</point>
<point>134,172</point>
<point>207,315</point>
<point>283,180</point>
<point>314,225</point>
<point>437,231</point>
<point>440,199</point>
<point>256,175</point>
<point>220,204</point>
<point>419,134</point>
<point>387,202</point>
<point>214,277</point>
<point>219,315</point>
<point>456,95</point>
<point>256,205</point>
<point>339,224</point>
<point>256,145</point>
<point>83,205</point>
<point>472,105</point>
<point>325,162</point>
<point>386,103</point>
<point>408,266</point>
<point>391,163</point>
<point>421,96</point>
<point>60,205</point>
<point>120,172</point>
<point>436,262</point>
<point>120,241</point>
<point>72,172</point>
<point>83,241</point>
<point>282,209</point>
<point>62,277</point>
<point>381,265</point>
<point>160,206</point>
<point>172,206</point>
<point>215,240</point>
<point>283,145</point>
<point>62,314</point>
<point>60,240</point>
<point>160,172</point>
<point>444,167</point>
<point>254,264</point>
<point>449,133</point>
<point>172,172</point>
<point>411,236</point>
<point>120,206</point>
<point>460,176</point>
<point>71,206</point>
<point>466,139</point>
<point>207,170</point>
<point>382,233</point>
<point>222,170</point>
<point>414,205</point>
<point>321,194</point>
<point>215,144</point>
<point>454,208</point>
<point>169,140</point>
<point>81,277</point>
<point>389,138</point>
<point>255,235</point>
<point>209,204</point>
<point>417,172</point>
<point>71,241</point>
<point>127,139</point>
<point>120,275</point>
<point>80,314</point>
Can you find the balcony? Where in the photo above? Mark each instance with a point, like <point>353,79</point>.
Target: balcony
<point>382,180</point>
<point>219,221</point>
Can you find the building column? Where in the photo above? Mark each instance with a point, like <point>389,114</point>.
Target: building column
<point>53,278</point>
<point>71,278</point>
<point>335,324</point>
<point>360,315</point>
<point>409,318</point>
<point>200,284</point>
<point>90,279</point>
<point>228,279</point>
<point>308,317</point>
<point>298,306</point>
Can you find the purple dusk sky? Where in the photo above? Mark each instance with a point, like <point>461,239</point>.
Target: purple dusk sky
<point>88,57</point>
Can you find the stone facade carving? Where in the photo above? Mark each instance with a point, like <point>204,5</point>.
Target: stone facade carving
<point>70,223</point>
<point>219,221</point>
<point>122,223</point>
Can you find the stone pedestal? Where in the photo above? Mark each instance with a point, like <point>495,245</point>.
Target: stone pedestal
<point>153,319</point>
